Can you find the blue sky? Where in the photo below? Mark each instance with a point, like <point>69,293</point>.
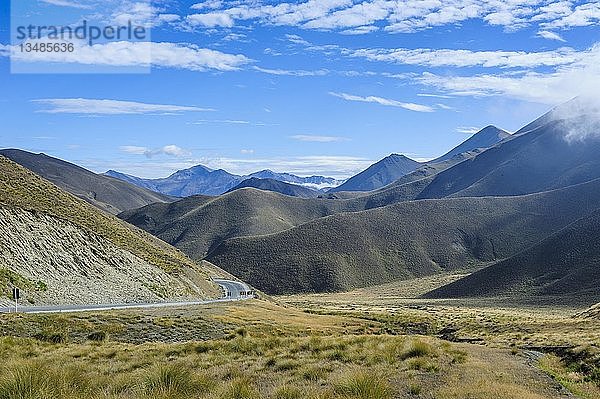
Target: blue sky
<point>308,87</point>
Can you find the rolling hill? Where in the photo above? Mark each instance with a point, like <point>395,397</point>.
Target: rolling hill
<point>565,264</point>
<point>413,238</point>
<point>197,224</point>
<point>379,174</point>
<point>360,239</point>
<point>108,194</point>
<point>60,249</point>
<point>277,186</point>
<point>255,214</point>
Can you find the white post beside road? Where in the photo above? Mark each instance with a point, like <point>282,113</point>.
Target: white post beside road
<point>16,294</point>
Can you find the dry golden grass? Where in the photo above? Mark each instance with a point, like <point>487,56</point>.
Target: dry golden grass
<point>570,341</point>
<point>265,351</point>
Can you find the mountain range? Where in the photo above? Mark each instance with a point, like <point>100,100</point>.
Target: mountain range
<point>205,181</point>
<point>519,216</point>
<point>467,212</point>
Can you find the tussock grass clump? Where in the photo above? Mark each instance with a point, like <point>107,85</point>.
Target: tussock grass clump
<point>52,336</point>
<point>288,392</point>
<point>363,385</point>
<point>240,388</point>
<point>417,348</point>
<point>175,381</point>
<point>315,373</point>
<point>98,336</point>
<point>26,381</point>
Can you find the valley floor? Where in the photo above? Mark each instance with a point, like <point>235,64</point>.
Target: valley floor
<point>324,349</point>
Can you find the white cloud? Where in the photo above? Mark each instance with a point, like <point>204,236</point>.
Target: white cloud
<point>467,129</point>
<point>138,13</point>
<point>360,30</point>
<point>285,72</point>
<point>246,151</point>
<point>384,101</point>
<point>434,95</point>
<point>318,139</point>
<point>109,107</point>
<point>168,17</point>
<point>142,54</point>
<point>468,58</point>
<point>209,4</point>
<point>211,20</point>
<point>133,149</point>
<point>356,17</point>
<point>296,39</point>
<point>562,84</point>
<point>583,15</point>
<point>546,34</point>
<point>170,150</point>
<point>225,121</point>
<point>66,3</point>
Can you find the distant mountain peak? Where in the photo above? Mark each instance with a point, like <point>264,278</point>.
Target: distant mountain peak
<point>487,137</point>
<point>397,156</point>
<point>380,174</point>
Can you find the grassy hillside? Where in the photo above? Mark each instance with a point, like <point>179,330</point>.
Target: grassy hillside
<point>107,193</point>
<point>197,224</point>
<point>566,264</point>
<point>542,159</point>
<point>403,240</point>
<point>21,189</point>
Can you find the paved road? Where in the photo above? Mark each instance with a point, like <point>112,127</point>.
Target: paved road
<point>233,291</point>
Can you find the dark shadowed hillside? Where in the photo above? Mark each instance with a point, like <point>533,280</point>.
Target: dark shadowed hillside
<point>379,174</point>
<point>485,138</point>
<point>548,157</point>
<point>399,241</point>
<point>565,264</point>
<point>292,190</point>
<point>105,192</point>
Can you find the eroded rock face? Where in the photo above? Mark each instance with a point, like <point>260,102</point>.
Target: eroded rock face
<point>62,263</point>
<point>592,313</point>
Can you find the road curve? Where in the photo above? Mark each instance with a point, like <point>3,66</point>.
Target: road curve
<point>233,291</point>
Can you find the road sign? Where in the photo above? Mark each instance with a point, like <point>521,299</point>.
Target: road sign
<point>16,296</point>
